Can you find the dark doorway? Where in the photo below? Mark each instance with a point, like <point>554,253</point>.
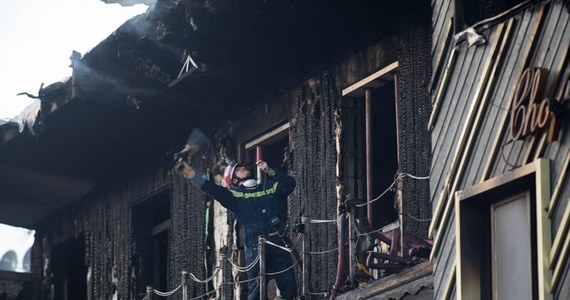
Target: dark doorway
<point>384,153</point>
<point>69,270</point>
<point>151,224</point>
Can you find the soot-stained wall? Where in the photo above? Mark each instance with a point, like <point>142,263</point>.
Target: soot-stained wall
<point>117,255</point>
<point>314,167</point>
<point>414,109</point>
<point>321,155</point>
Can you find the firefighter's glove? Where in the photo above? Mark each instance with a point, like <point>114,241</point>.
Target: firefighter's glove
<point>265,167</point>
<point>184,169</point>
<point>188,151</point>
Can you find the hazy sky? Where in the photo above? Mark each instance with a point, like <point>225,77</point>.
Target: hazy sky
<point>38,36</point>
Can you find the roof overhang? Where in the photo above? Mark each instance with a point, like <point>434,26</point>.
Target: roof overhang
<point>121,107</point>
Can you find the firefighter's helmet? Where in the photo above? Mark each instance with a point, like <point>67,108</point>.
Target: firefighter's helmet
<point>229,176</point>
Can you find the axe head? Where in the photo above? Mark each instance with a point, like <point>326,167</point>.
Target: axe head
<point>196,141</point>
<point>198,138</point>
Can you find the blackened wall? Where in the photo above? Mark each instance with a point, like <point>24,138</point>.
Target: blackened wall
<point>314,167</point>
<point>414,109</point>
<point>115,256</point>
<point>115,259</point>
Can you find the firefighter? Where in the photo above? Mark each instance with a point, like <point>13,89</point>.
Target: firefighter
<point>261,208</point>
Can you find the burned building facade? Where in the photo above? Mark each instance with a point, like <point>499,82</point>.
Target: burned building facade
<point>337,94</point>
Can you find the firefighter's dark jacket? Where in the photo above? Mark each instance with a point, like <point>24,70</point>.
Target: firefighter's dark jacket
<point>254,207</point>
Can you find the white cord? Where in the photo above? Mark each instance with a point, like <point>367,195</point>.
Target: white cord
<point>167,294</point>
<point>279,246</point>
<point>400,177</point>
<point>321,221</point>
<point>217,269</point>
<point>323,252</point>
<point>244,269</point>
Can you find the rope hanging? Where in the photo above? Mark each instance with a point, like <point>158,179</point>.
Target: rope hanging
<point>398,178</point>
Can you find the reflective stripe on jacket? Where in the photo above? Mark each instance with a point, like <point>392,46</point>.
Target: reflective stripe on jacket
<point>254,207</point>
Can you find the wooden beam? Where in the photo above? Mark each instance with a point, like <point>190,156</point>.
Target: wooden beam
<point>277,132</point>
<point>559,185</point>
<point>543,229</point>
<point>441,88</point>
<point>374,80</point>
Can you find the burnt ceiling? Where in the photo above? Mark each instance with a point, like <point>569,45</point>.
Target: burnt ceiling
<point>120,106</point>
<point>246,52</point>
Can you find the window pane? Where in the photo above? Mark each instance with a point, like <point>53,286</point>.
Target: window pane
<point>511,248</point>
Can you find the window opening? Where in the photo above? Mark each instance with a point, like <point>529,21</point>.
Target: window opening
<point>151,221</point>
<point>502,236</point>
<point>376,141</point>
<point>274,146</point>
<point>69,270</point>
<point>384,153</point>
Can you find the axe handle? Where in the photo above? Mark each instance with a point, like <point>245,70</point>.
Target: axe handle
<point>258,157</point>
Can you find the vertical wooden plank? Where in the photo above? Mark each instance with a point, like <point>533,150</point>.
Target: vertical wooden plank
<point>442,88</point>
<point>559,185</point>
<point>501,136</point>
<point>473,119</point>
<point>543,228</point>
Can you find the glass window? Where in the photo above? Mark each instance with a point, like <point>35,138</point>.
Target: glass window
<point>511,248</point>
<point>503,236</point>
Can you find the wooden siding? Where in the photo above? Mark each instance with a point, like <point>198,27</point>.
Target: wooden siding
<point>472,90</point>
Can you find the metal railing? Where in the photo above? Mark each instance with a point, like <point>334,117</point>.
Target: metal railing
<point>303,260</point>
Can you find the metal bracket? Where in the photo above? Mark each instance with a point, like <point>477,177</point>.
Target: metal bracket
<point>188,68</point>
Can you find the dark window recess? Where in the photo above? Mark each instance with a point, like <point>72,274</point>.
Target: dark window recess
<point>151,221</point>
<point>274,144</point>
<point>274,151</point>
<point>160,260</point>
<point>274,147</point>
<point>370,146</point>
<point>471,12</point>
<point>69,270</point>
<point>384,153</point>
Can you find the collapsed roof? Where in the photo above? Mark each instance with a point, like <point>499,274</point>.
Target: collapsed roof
<point>125,101</point>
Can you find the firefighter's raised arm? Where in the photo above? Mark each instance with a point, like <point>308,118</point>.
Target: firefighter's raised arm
<point>184,169</point>
<point>263,166</point>
<point>197,178</point>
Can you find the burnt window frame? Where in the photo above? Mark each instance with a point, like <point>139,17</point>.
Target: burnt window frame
<point>69,271</point>
<point>473,259</point>
<point>151,234</point>
<point>265,137</point>
<point>360,89</point>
